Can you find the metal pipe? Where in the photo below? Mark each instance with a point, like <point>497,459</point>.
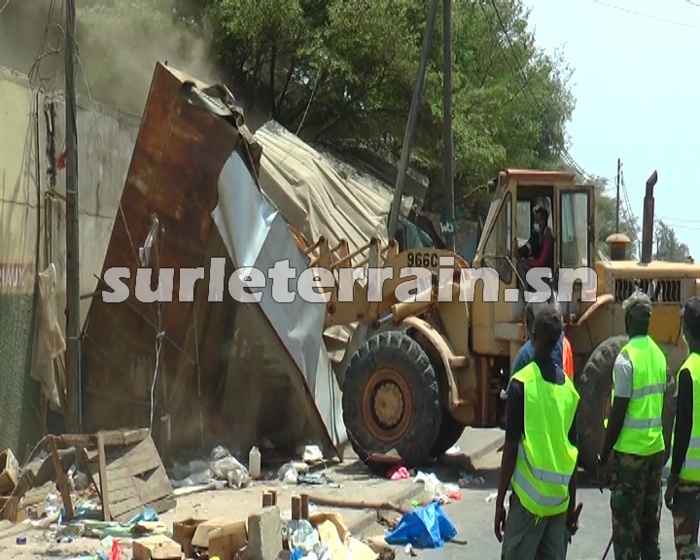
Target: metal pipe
<point>412,120</point>
<point>448,222</point>
<point>617,197</point>
<point>648,220</point>
<point>73,346</point>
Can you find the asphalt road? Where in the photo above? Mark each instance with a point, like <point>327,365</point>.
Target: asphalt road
<point>473,517</point>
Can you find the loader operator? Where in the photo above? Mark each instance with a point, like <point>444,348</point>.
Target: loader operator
<point>635,433</point>
<point>538,252</point>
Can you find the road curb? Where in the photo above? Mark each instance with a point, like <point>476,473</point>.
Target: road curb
<point>489,448</point>
<point>368,518</point>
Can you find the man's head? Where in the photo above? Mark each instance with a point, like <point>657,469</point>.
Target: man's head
<point>691,322</point>
<point>531,310</point>
<point>547,330</point>
<point>540,218</point>
<point>637,310</point>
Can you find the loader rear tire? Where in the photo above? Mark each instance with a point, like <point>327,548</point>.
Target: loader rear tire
<point>391,399</point>
<point>595,387</point>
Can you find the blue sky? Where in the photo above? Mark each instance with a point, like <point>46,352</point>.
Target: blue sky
<point>637,89</point>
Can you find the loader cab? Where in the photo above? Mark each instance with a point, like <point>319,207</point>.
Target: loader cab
<point>508,226</point>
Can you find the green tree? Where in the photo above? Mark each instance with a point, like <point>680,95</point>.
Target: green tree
<point>347,69</point>
<point>668,246</point>
<point>343,71</point>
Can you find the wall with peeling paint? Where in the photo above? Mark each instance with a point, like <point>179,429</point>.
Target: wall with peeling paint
<point>29,212</point>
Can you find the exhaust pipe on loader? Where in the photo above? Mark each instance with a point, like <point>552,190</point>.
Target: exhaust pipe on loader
<point>648,219</point>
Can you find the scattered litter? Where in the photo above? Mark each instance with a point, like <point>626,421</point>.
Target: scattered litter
<point>315,479</point>
<point>117,552</point>
<point>467,479</point>
<point>225,466</point>
<point>399,472</point>
<point>409,550</point>
<point>312,454</point>
<point>454,450</point>
<point>289,472</point>
<point>426,527</point>
<point>491,497</point>
<point>437,490</point>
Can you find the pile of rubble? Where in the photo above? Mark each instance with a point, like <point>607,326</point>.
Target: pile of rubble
<point>113,489</point>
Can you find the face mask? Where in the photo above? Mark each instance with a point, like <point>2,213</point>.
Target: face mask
<point>537,228</point>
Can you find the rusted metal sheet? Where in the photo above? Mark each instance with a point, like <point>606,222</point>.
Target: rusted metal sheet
<point>181,148</point>
<point>188,133</point>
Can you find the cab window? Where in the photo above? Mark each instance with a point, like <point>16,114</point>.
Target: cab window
<point>524,220</point>
<point>574,229</point>
<point>498,245</point>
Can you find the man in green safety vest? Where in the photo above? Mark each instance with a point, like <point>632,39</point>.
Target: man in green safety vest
<point>683,491</point>
<point>635,432</point>
<point>540,454</point>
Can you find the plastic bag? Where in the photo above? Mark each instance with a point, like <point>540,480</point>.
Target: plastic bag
<point>427,527</point>
<point>224,466</point>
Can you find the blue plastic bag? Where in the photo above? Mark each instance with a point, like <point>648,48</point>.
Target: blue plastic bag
<point>426,527</point>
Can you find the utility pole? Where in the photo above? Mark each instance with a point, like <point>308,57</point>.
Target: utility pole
<point>73,349</point>
<point>617,197</point>
<point>447,225</point>
<point>412,119</point>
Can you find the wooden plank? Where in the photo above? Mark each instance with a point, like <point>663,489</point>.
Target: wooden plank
<point>104,481</point>
<point>61,480</point>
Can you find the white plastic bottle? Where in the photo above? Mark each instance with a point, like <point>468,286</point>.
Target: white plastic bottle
<point>254,463</point>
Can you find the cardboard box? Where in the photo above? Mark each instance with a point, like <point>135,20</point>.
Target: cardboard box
<point>9,472</point>
<point>12,510</point>
<point>225,542</point>
<point>201,533</point>
<point>183,533</point>
<point>157,547</point>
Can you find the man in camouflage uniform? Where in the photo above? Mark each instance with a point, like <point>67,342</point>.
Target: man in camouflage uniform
<point>639,385</point>
<point>683,491</point>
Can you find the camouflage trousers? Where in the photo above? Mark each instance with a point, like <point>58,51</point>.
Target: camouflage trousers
<point>635,504</point>
<point>686,517</point>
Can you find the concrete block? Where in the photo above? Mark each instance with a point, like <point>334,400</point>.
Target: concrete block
<point>264,534</point>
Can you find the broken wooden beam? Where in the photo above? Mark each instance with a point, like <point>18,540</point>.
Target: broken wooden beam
<point>61,480</point>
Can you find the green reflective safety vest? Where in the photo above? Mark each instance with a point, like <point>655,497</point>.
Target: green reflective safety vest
<point>643,431</point>
<point>546,458</point>
<point>690,471</point>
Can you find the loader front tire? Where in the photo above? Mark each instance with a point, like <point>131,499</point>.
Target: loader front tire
<point>595,389</point>
<point>391,399</point>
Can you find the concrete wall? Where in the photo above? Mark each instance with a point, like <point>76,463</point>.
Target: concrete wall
<point>32,224</point>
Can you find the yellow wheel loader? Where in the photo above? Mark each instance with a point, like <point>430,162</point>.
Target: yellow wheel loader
<point>422,365</point>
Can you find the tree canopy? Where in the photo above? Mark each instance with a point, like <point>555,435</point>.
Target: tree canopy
<point>343,71</point>
<point>668,246</point>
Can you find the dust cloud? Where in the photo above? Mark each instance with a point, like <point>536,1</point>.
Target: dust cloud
<point>119,42</point>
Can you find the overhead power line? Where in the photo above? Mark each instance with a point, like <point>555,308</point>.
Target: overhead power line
<point>566,155</point>
<point>650,16</point>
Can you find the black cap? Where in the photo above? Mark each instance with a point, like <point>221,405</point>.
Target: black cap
<point>638,305</point>
<point>691,316</point>
<point>548,324</point>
